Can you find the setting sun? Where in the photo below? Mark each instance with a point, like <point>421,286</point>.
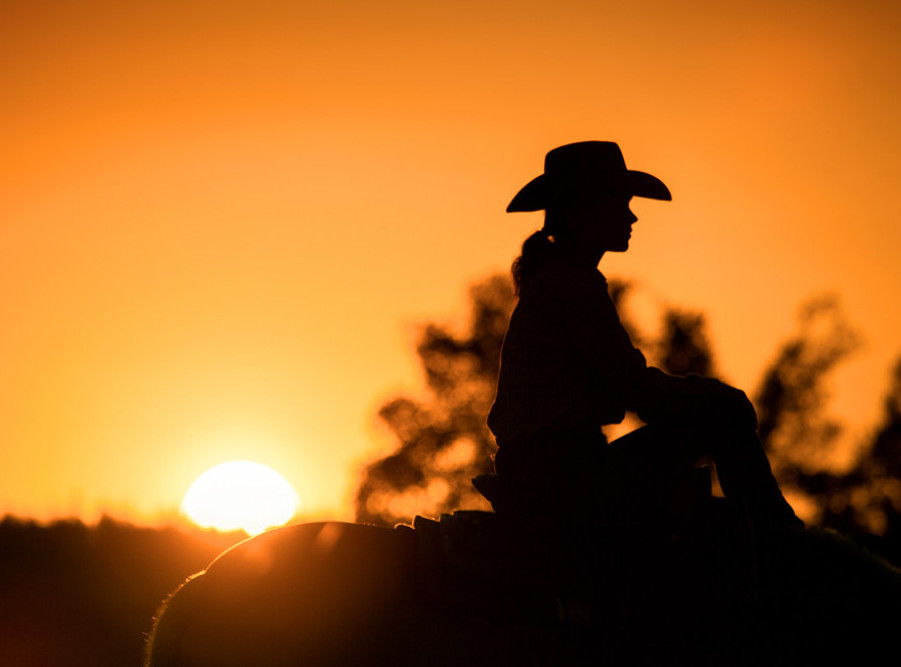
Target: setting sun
<point>240,495</point>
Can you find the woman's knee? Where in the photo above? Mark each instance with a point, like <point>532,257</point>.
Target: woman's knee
<point>730,407</point>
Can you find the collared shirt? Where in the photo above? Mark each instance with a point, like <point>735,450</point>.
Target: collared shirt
<point>567,360</point>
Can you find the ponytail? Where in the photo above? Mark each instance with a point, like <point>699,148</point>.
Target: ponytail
<point>535,250</point>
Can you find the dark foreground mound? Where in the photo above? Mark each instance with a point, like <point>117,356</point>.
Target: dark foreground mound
<point>471,590</point>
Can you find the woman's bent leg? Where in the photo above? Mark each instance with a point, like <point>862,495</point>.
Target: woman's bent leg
<point>655,455</point>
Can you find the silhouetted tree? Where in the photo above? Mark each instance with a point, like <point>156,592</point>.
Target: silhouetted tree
<point>684,347</point>
<point>794,428</point>
<point>885,453</point>
<point>868,496</point>
<point>881,466</point>
<point>443,442</point>
<point>84,595</point>
<point>800,437</point>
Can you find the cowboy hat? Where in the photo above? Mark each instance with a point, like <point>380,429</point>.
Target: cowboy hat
<point>585,168</point>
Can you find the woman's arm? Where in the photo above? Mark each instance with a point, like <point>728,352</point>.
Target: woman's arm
<point>623,373</point>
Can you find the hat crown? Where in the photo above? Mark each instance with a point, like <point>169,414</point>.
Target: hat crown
<point>585,159</point>
<point>585,169</point>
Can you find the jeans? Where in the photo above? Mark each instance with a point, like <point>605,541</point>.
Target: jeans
<point>575,473</point>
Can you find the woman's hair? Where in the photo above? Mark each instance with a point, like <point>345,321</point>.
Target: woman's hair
<point>535,250</point>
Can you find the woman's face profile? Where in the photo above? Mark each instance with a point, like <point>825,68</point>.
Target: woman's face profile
<point>602,223</point>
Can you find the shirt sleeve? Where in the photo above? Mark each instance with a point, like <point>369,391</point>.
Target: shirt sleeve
<point>609,356</point>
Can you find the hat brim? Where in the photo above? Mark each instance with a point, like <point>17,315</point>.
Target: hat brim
<point>534,196</point>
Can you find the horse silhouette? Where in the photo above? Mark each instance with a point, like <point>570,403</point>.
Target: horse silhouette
<point>342,594</point>
<point>474,589</point>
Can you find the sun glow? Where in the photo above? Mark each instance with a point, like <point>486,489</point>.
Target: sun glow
<point>240,495</point>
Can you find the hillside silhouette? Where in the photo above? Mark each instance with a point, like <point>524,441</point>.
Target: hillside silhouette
<point>472,590</point>
<point>72,594</point>
<point>85,595</point>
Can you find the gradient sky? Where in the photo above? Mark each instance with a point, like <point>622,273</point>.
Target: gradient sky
<point>220,222</point>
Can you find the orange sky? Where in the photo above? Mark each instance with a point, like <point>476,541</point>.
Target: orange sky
<point>219,221</point>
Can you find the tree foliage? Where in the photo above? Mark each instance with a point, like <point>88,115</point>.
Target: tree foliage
<point>684,347</point>
<point>800,435</point>
<point>880,466</point>
<point>443,442</point>
<point>866,497</point>
<point>794,426</point>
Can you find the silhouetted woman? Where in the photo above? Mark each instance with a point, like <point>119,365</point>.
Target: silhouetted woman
<point>568,367</point>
